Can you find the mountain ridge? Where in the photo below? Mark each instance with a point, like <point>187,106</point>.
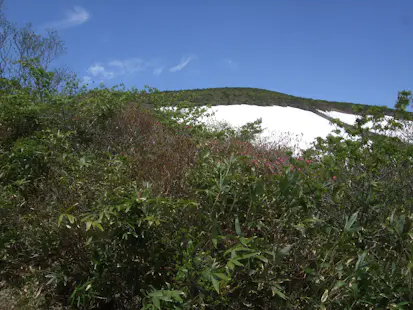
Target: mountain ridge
<point>263,97</point>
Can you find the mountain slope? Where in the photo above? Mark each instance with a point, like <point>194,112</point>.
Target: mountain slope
<point>262,97</point>
<point>298,120</point>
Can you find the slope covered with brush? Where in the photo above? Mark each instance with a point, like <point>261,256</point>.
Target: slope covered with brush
<point>262,97</point>
<point>105,204</point>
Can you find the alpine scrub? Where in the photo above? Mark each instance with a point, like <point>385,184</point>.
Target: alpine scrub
<point>121,199</point>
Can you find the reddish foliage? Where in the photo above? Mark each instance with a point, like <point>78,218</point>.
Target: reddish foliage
<point>268,159</point>
<point>156,153</point>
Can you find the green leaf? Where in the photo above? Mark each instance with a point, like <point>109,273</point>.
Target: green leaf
<point>215,283</point>
<point>325,296</point>
<point>88,225</point>
<point>354,287</point>
<point>237,227</point>
<point>400,224</point>
<point>238,248</point>
<point>245,256</point>
<point>71,218</point>
<point>98,225</point>
<point>338,285</point>
<point>277,290</point>
<point>156,293</point>
<point>403,303</point>
<point>222,276</point>
<point>350,221</point>
<point>230,265</point>
<point>60,219</point>
<point>237,263</point>
<point>157,302</point>
<point>360,261</point>
<point>263,259</point>
<point>244,241</point>
<point>166,296</point>
<point>177,295</point>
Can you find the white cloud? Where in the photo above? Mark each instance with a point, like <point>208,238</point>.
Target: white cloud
<point>128,66</point>
<point>116,63</point>
<point>99,71</point>
<point>232,64</point>
<point>122,67</point>
<point>74,17</point>
<point>157,71</point>
<point>77,16</point>
<point>184,62</point>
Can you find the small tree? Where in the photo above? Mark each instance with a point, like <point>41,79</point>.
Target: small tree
<point>18,46</point>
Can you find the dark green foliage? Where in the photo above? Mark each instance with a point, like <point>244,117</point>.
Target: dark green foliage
<point>117,199</point>
<point>108,205</point>
<point>262,97</point>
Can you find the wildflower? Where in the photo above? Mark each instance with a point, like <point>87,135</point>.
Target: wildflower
<point>334,177</point>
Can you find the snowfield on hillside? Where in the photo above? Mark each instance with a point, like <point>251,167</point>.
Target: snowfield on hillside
<point>290,125</point>
<point>294,126</point>
<point>344,117</point>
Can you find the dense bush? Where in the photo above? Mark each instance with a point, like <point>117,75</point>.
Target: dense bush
<point>118,199</point>
<point>106,204</point>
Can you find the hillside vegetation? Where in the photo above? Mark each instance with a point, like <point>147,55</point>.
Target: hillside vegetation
<point>106,204</point>
<point>262,97</point>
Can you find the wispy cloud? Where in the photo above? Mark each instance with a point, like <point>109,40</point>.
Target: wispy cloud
<point>231,63</point>
<point>129,66</point>
<point>98,70</point>
<point>184,62</point>
<point>157,71</point>
<point>74,17</point>
<point>122,67</point>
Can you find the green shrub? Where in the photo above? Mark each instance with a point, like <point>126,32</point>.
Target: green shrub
<point>117,199</point>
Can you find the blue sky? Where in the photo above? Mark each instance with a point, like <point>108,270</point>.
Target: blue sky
<point>352,50</point>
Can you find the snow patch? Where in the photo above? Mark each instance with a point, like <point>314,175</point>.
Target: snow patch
<point>303,127</point>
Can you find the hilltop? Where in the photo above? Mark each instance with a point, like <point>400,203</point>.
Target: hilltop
<point>263,97</point>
